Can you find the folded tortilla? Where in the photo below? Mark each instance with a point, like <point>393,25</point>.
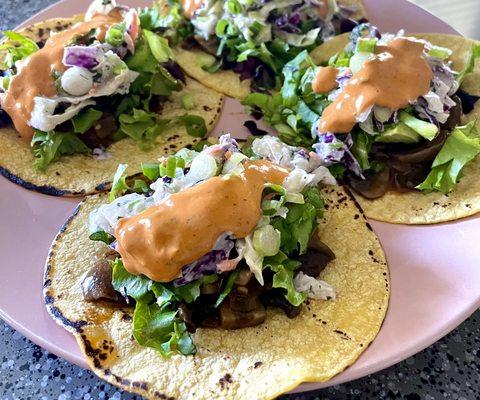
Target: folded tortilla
<point>415,207</point>
<point>258,363</point>
<point>229,82</point>
<point>79,174</point>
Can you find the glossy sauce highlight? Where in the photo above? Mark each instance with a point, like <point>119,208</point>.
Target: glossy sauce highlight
<point>160,241</point>
<point>395,77</point>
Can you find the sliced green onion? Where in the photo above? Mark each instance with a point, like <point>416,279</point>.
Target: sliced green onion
<point>440,52</point>
<point>270,207</point>
<point>151,171</point>
<point>119,184</point>
<point>234,7</point>
<point>140,186</point>
<point>266,240</point>
<point>296,198</point>
<point>187,101</point>
<point>423,128</point>
<point>221,27</point>
<point>102,236</point>
<point>275,188</point>
<point>114,36</point>
<point>366,45</point>
<point>170,167</point>
<point>358,60</point>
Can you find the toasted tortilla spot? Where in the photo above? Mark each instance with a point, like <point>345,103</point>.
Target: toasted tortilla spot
<point>79,175</point>
<point>241,363</point>
<point>415,207</point>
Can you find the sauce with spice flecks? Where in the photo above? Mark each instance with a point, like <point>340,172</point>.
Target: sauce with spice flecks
<point>163,239</point>
<point>397,75</point>
<point>35,73</point>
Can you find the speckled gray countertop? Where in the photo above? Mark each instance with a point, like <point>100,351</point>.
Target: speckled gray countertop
<point>450,369</point>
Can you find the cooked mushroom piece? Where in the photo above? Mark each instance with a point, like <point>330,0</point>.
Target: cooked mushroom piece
<point>419,154</point>
<point>315,260</point>
<point>97,284</point>
<point>455,117</point>
<point>276,298</point>
<point>231,319</point>
<point>374,186</point>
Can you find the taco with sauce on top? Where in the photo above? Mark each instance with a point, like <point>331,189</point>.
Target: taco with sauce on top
<point>392,116</point>
<point>238,46</point>
<point>218,273</point>
<point>79,95</point>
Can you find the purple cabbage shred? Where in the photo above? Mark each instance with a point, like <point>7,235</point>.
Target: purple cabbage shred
<point>80,56</point>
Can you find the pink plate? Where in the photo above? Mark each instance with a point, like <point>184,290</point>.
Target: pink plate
<point>434,269</point>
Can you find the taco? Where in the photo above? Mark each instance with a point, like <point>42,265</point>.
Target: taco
<point>225,274</point>
<point>80,95</point>
<point>393,117</point>
<point>237,46</point>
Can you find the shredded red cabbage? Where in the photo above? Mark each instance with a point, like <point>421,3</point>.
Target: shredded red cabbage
<point>80,56</point>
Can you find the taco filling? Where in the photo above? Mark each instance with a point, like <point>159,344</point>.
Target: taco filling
<point>103,79</point>
<point>384,114</point>
<point>214,239</point>
<point>252,38</point>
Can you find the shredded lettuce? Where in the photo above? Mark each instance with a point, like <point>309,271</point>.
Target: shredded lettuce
<point>474,55</point>
<point>83,121</point>
<point>293,111</point>
<point>17,47</point>
<point>102,236</point>
<point>119,184</point>
<point>50,146</point>
<point>300,222</point>
<point>461,148</point>
<point>156,322</point>
<point>284,269</point>
<point>144,127</point>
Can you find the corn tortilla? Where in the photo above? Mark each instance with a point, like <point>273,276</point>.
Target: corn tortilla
<point>415,207</point>
<point>79,174</point>
<point>228,82</point>
<point>261,362</point>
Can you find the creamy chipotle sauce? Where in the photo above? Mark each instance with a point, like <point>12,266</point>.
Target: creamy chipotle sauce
<point>325,80</point>
<point>160,241</point>
<point>395,77</point>
<point>190,6</point>
<point>35,73</point>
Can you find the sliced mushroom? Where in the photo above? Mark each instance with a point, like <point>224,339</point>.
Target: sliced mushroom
<point>231,319</point>
<point>276,298</point>
<point>97,284</point>
<point>374,186</point>
<point>315,261</point>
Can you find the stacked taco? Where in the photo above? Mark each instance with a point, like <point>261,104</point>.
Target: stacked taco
<point>79,95</point>
<point>392,116</point>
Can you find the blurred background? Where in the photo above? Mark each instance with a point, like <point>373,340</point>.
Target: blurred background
<point>463,15</point>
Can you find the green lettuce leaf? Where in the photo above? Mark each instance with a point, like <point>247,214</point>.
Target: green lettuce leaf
<point>228,287</point>
<point>460,148</point>
<point>102,236</point>
<point>17,48</point>
<point>300,222</point>
<point>127,284</point>
<point>362,143</point>
<point>50,146</point>
<point>158,46</point>
<point>474,55</point>
<point>283,278</point>
<point>83,121</point>
<point>159,328</point>
<point>119,184</point>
